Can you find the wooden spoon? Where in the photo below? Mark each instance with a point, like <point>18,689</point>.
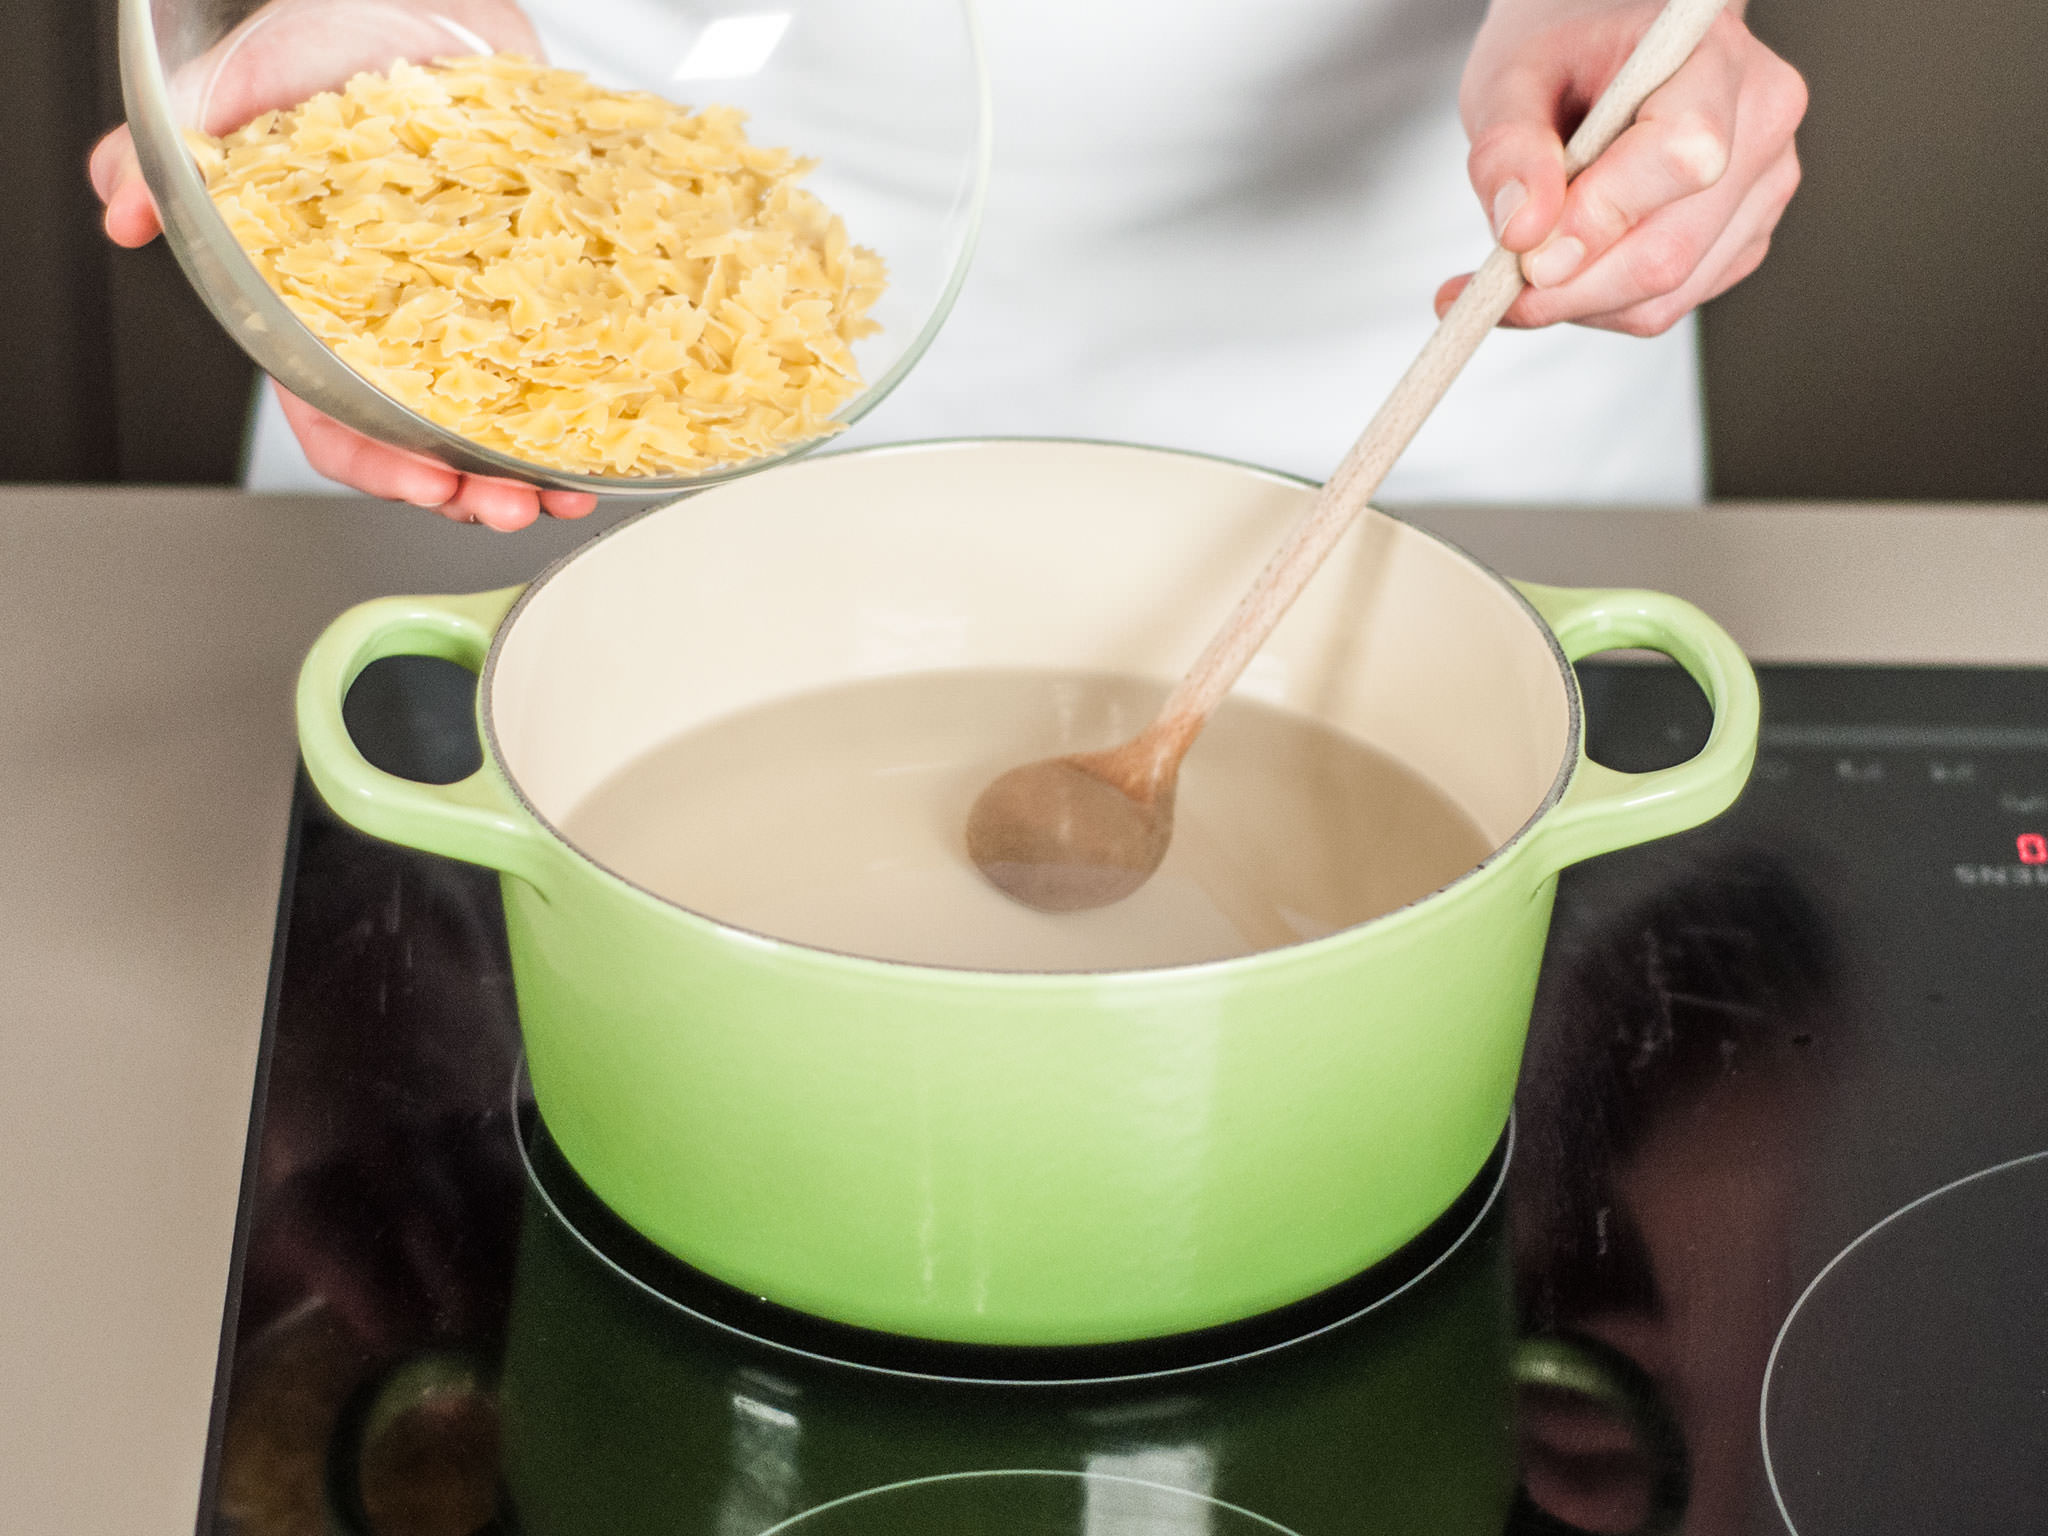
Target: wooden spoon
<point>1068,833</point>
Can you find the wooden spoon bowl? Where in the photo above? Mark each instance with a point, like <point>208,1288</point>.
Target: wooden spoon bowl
<point>1068,833</point>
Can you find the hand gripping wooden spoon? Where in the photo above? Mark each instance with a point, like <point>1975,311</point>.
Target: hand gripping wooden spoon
<point>1068,833</point>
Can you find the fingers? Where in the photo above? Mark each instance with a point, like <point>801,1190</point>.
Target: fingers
<point>106,156</point>
<point>1680,144</point>
<point>1517,168</point>
<point>1518,160</point>
<point>1671,262</point>
<point>509,505</point>
<point>1521,91</point>
<point>1610,292</point>
<point>567,504</point>
<point>1679,208</point>
<point>131,218</point>
<point>505,505</point>
<point>377,469</point>
<point>1738,251</point>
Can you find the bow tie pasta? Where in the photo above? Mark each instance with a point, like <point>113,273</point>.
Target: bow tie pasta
<point>582,278</point>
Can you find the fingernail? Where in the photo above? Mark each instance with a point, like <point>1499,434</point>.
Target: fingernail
<point>1554,263</point>
<point>1507,202</point>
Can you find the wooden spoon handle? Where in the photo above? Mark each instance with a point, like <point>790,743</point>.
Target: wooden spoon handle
<point>1494,287</point>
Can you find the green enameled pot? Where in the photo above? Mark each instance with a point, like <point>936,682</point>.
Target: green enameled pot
<point>1005,1157</point>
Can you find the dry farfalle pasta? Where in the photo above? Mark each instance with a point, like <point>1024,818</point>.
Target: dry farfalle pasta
<point>582,278</point>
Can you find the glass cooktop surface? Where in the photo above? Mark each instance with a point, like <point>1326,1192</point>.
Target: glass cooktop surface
<point>1765,1250</point>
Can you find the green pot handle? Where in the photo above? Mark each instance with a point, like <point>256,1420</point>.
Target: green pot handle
<point>1602,809</point>
<point>1589,1368</point>
<point>478,819</point>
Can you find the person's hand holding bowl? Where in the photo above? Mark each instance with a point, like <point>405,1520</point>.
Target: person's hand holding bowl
<point>303,47</point>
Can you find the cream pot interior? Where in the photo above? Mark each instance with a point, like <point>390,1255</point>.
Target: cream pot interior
<point>1062,556</point>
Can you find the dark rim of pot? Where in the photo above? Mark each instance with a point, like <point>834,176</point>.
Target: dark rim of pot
<point>1568,764</point>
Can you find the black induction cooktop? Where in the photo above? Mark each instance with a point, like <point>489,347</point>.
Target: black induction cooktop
<point>1765,1251</point>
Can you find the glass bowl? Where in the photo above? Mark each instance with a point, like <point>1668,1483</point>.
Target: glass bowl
<point>888,97</point>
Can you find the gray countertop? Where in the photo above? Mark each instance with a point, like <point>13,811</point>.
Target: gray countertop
<point>148,641</point>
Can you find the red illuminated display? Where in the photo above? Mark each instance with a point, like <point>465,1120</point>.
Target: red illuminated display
<point>2033,848</point>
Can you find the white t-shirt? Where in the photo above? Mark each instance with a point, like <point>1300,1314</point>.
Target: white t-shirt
<point>1219,225</point>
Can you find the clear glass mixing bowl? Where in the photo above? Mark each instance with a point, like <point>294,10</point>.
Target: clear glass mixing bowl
<point>888,96</point>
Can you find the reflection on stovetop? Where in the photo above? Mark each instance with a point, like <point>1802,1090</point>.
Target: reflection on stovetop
<point>1752,1044</point>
